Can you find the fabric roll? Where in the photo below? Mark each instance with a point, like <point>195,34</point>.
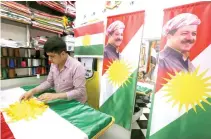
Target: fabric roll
<point>11,73</point>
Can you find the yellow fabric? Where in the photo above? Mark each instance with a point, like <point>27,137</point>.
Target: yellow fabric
<point>93,90</point>
<point>26,110</point>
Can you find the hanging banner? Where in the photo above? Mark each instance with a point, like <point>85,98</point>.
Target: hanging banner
<point>89,40</point>
<point>120,66</point>
<point>182,101</point>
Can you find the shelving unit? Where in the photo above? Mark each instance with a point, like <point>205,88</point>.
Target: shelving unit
<point>18,29</point>
<point>10,71</point>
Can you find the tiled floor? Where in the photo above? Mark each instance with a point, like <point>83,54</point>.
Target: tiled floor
<point>139,128</point>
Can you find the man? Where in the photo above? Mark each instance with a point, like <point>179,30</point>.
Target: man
<point>115,37</point>
<point>66,75</point>
<point>181,32</point>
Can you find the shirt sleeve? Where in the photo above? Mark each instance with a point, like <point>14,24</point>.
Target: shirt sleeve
<point>48,83</point>
<point>79,83</point>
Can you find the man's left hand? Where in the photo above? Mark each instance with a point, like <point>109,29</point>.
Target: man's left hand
<point>47,97</point>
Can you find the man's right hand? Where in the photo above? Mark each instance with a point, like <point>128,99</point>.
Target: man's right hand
<point>26,95</point>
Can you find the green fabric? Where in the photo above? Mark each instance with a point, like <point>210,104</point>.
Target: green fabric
<point>190,125</point>
<point>143,89</point>
<point>89,50</point>
<point>89,120</point>
<point>121,104</point>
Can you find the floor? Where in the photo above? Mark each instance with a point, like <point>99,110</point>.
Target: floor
<point>139,128</point>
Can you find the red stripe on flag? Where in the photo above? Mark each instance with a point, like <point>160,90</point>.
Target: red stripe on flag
<point>89,29</point>
<point>6,133</point>
<point>133,22</point>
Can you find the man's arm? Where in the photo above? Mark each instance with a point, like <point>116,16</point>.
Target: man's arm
<point>46,84</point>
<point>79,82</point>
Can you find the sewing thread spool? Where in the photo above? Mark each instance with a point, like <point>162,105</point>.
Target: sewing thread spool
<point>3,62</point>
<point>19,60</point>
<point>43,62</point>
<point>11,73</point>
<point>33,71</point>
<point>17,52</point>
<point>23,63</point>
<point>11,63</point>
<point>4,74</point>
<point>29,62</point>
<point>11,52</point>
<point>43,70</point>
<point>35,62</point>
<point>4,51</point>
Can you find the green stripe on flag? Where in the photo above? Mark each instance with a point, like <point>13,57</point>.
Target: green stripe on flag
<point>87,119</point>
<point>121,104</point>
<point>191,125</point>
<point>89,50</point>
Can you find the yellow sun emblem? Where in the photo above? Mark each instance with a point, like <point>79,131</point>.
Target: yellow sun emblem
<point>188,89</point>
<point>119,72</point>
<point>27,110</point>
<point>86,40</point>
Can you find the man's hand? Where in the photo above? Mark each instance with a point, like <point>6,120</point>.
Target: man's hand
<point>26,95</point>
<point>48,97</point>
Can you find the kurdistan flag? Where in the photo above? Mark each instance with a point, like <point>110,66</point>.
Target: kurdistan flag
<point>89,40</point>
<point>118,81</point>
<point>61,119</point>
<point>181,107</point>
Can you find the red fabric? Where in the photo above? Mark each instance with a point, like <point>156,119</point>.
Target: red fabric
<point>133,22</point>
<point>203,11</point>
<point>6,133</point>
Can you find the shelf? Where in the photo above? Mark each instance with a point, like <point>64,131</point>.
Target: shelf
<point>21,57</point>
<point>34,48</point>
<point>23,67</point>
<point>24,76</point>
<point>16,20</point>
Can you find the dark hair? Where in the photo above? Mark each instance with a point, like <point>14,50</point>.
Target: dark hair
<point>172,32</point>
<point>55,45</point>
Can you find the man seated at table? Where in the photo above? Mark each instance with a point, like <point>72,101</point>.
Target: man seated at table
<point>67,75</point>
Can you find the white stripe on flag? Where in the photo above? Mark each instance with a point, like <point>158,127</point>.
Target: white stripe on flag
<point>49,125</point>
<point>94,39</point>
<point>129,54</point>
<point>163,113</point>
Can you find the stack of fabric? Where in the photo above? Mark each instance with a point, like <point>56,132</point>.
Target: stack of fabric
<point>39,41</point>
<point>66,7</point>
<point>47,22</point>
<point>15,11</point>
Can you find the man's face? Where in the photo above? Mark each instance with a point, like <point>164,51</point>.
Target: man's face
<point>117,37</point>
<point>55,58</point>
<point>184,38</point>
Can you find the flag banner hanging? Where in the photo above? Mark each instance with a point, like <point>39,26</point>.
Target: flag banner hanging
<point>120,66</point>
<point>89,40</point>
<point>181,107</point>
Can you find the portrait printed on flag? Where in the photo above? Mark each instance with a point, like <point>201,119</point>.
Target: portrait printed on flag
<point>182,95</point>
<point>115,37</point>
<point>181,35</point>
